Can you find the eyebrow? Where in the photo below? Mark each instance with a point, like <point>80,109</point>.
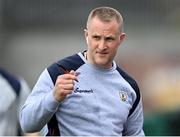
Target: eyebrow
<point>111,35</point>
<point>106,37</point>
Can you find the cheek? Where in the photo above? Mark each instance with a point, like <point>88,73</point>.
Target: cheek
<point>113,49</point>
<point>114,46</point>
<point>92,45</point>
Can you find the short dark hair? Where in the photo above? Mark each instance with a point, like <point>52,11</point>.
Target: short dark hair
<point>106,14</point>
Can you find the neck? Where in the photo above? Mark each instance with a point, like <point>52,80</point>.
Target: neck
<point>85,55</point>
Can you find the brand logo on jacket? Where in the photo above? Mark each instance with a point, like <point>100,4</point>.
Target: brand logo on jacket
<point>87,91</point>
<point>123,96</point>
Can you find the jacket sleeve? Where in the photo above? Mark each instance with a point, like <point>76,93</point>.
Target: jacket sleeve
<point>39,106</point>
<point>24,92</point>
<point>134,124</point>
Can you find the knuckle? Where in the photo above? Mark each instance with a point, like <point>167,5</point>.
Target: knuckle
<point>63,93</point>
<point>60,86</point>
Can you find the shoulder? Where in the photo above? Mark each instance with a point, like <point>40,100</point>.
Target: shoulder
<point>68,63</point>
<point>129,79</point>
<point>134,85</point>
<point>13,81</point>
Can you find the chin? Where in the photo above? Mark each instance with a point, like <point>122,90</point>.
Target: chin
<point>102,64</point>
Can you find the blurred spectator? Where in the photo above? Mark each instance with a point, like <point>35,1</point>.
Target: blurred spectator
<point>14,91</point>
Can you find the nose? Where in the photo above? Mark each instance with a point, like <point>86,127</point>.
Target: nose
<point>102,44</point>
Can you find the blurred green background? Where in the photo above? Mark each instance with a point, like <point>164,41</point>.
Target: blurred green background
<point>35,33</point>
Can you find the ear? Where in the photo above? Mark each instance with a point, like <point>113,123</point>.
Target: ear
<point>86,35</point>
<point>122,37</point>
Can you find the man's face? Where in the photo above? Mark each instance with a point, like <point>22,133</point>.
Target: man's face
<point>103,40</point>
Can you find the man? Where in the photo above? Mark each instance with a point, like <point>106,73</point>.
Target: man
<point>14,92</point>
<point>87,93</point>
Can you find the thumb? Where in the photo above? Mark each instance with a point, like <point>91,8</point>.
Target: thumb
<point>72,72</point>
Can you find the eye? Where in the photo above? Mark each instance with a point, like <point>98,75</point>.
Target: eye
<point>96,37</point>
<point>109,39</point>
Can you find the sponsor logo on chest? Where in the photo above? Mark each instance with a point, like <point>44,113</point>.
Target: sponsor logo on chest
<point>87,91</point>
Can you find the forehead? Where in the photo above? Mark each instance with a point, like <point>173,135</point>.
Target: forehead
<point>96,26</point>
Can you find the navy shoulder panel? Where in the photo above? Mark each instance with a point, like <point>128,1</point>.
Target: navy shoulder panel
<point>65,65</point>
<point>13,81</point>
<point>134,85</point>
<point>72,62</point>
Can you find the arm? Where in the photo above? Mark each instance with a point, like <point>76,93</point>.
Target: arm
<point>39,106</point>
<point>45,98</point>
<point>24,92</point>
<point>134,124</point>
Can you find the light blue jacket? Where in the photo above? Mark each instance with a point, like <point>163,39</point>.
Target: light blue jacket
<point>105,102</point>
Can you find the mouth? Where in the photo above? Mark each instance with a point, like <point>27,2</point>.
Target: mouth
<point>102,53</point>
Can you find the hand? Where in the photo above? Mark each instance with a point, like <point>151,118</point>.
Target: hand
<point>64,85</point>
